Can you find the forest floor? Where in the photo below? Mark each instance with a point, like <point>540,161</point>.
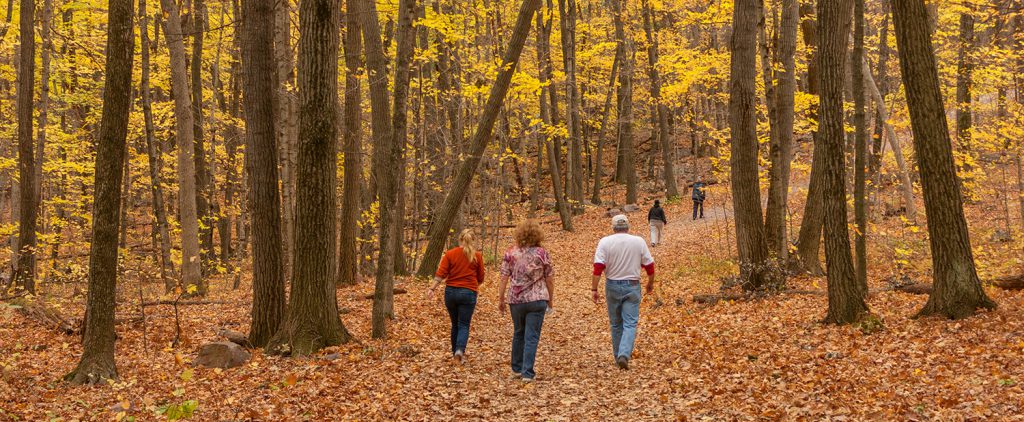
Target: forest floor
<point>760,359</point>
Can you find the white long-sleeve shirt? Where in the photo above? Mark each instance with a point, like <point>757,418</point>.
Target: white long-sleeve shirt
<point>621,256</point>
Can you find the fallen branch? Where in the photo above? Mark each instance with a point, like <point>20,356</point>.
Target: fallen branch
<point>44,314</point>
<point>1010,283</point>
<point>186,302</point>
<point>914,289</point>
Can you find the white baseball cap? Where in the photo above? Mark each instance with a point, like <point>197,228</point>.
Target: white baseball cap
<point>620,222</point>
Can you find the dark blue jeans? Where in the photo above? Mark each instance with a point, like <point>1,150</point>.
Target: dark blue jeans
<point>460,303</point>
<point>698,205</point>
<point>527,318</point>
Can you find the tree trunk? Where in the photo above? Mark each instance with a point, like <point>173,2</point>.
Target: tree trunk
<point>453,200</point>
<point>627,166</point>
<point>203,197</point>
<point>351,197</point>
<point>877,145</point>
<point>547,118</point>
<point>781,152</point>
<point>756,269</point>
<point>257,54</point>
<point>845,298</point>
<point>807,258</point>
<point>599,155</point>
<point>393,153</point>
<point>44,101</point>
<point>191,272</point>
<point>906,185</point>
<point>574,122</point>
<point>380,103</point>
<point>958,293</point>
<point>286,125</point>
<point>25,275</point>
<point>97,362</point>
<point>666,144</point>
<point>860,150</point>
<point>964,74</point>
<point>312,321</point>
<point>155,159</point>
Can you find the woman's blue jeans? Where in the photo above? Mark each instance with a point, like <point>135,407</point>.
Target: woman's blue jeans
<point>460,303</point>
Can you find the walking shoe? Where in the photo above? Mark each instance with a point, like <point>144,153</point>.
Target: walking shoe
<point>527,380</point>
<point>516,376</point>
<point>622,361</point>
<point>460,356</point>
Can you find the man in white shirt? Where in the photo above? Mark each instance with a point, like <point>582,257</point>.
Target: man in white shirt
<point>620,256</point>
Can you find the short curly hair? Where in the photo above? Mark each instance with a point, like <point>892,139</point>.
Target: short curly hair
<point>529,234</point>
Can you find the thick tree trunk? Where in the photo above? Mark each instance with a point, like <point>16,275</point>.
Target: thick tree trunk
<point>393,153</point>
<point>351,197</point>
<point>25,274</point>
<point>845,298</point>
<point>665,139</point>
<point>627,155</point>
<point>807,258</point>
<point>860,150</point>
<point>380,102</point>
<point>97,362</point>
<point>756,269</point>
<point>257,56</point>
<point>958,292</point>
<point>781,152</point>
<point>156,163</point>
<point>450,207</point>
<point>191,272</point>
<point>312,321</point>
<point>203,189</point>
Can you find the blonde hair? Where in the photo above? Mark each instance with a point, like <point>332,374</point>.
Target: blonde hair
<point>529,234</point>
<point>466,240</point>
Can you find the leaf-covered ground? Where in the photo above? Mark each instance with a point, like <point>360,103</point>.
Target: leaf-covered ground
<point>734,360</point>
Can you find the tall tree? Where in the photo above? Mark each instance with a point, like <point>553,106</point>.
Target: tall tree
<point>626,152</point>
<point>807,258</point>
<point>156,162</point>
<point>781,152</point>
<point>352,147</point>
<point>25,276</point>
<point>547,118</point>
<point>191,272</point>
<point>964,76</point>
<point>860,149</point>
<point>257,56</point>
<point>663,136</point>
<point>957,290</point>
<point>845,299</point>
<point>284,57</point>
<point>756,270</point>
<point>203,188</point>
<point>595,195</point>
<point>97,362</point>
<point>574,122</point>
<point>312,321</point>
<point>393,152</point>
<point>441,226</point>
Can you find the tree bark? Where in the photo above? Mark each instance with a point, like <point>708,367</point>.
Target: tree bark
<point>958,293</point>
<point>155,158</point>
<point>665,139</point>
<point>25,275</point>
<point>574,122</point>
<point>860,150</point>
<point>191,272</point>
<point>286,125</point>
<point>453,200</point>
<point>312,321</point>
<point>906,185</point>
<point>964,74</point>
<point>627,166</point>
<point>756,269</point>
<point>203,189</point>
<point>257,55</point>
<point>393,153</point>
<point>351,197</point>
<point>781,152</point>
<point>599,154</point>
<point>97,362</point>
<point>547,118</point>
<point>807,258</point>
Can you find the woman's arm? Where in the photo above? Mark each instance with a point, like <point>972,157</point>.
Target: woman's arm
<point>550,282</point>
<point>502,284</point>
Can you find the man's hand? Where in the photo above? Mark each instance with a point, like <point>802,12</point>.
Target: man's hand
<point>650,287</point>
<point>596,297</point>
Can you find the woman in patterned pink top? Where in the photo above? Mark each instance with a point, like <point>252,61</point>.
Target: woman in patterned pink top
<point>527,287</point>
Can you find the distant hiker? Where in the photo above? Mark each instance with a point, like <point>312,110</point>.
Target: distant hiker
<point>527,266</point>
<point>620,256</point>
<point>698,197</point>
<point>656,218</point>
<point>462,270</point>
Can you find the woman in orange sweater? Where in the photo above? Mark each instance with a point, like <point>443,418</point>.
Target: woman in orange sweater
<point>462,270</point>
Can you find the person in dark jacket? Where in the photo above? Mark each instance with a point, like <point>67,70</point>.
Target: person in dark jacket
<point>657,220</point>
<point>698,197</point>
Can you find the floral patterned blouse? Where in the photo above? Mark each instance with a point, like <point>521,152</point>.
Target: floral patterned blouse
<point>526,268</point>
